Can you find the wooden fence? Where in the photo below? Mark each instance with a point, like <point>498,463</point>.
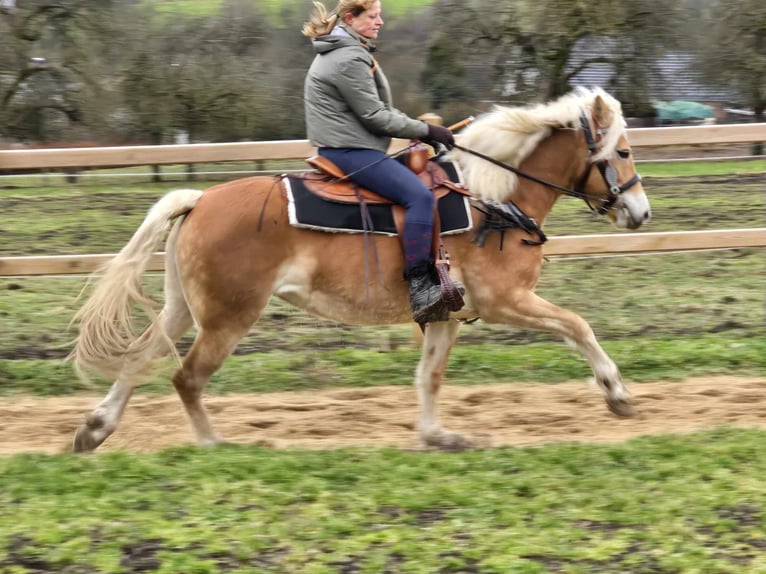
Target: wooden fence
<point>11,160</point>
<point>15,160</point>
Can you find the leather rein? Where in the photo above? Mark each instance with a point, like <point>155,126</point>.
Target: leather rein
<point>607,172</point>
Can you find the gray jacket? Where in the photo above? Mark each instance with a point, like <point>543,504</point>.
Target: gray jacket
<point>347,99</point>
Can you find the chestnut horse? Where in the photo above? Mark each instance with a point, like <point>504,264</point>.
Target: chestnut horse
<point>232,248</point>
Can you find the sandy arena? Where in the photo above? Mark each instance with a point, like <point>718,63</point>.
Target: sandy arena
<point>495,414</point>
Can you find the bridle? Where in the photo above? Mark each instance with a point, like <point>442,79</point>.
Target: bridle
<point>607,172</point>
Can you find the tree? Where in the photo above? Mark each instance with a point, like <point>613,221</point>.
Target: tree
<point>536,47</point>
<point>44,78</point>
<point>735,51</point>
<point>193,75</point>
<point>444,76</point>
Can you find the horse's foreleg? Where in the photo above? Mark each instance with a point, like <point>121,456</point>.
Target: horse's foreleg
<point>534,312</point>
<point>437,343</point>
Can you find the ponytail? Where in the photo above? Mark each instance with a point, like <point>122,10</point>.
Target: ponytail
<point>320,22</point>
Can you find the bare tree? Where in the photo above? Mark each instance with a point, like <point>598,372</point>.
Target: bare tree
<point>735,50</point>
<point>43,76</point>
<point>536,47</point>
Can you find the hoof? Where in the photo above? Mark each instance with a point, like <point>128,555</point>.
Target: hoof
<point>213,443</point>
<point>84,440</point>
<point>90,434</point>
<point>621,407</point>
<point>447,441</point>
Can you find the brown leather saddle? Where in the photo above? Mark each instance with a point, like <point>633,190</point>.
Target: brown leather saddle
<point>329,182</point>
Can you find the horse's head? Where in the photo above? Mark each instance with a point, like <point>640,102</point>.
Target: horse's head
<point>492,149</point>
<point>614,188</point>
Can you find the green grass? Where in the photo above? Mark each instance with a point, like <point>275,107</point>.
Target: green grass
<point>685,169</point>
<point>273,8</point>
<point>676,294</point>
<point>648,359</point>
<point>186,7</point>
<point>667,316</point>
<point>101,218</point>
<point>665,504</point>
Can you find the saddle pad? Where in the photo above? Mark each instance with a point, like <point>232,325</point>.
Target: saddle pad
<point>308,210</point>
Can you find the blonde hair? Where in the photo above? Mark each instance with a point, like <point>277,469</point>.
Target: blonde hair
<point>321,22</point>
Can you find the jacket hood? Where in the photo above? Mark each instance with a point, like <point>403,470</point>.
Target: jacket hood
<point>328,43</point>
<point>340,37</point>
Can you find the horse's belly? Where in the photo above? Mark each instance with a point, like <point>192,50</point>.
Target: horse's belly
<point>343,301</point>
<point>352,312</point>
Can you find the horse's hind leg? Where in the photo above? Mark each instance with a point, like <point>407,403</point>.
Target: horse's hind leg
<point>172,322</point>
<point>169,326</point>
<point>437,343</point>
<point>209,351</point>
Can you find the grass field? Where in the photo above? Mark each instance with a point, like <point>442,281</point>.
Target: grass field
<point>666,504</point>
<point>655,505</point>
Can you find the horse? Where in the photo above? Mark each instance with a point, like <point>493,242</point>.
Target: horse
<point>231,248</point>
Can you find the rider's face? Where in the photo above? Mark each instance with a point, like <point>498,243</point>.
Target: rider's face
<point>368,23</point>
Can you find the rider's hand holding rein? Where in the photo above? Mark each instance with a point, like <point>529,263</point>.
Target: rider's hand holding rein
<point>439,135</point>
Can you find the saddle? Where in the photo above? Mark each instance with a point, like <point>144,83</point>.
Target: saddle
<point>329,182</point>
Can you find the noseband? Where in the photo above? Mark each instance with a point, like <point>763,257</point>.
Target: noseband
<point>607,172</point>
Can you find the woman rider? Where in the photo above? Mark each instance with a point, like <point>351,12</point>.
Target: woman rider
<point>350,119</point>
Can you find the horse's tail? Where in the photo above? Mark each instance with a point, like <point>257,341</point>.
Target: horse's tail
<point>107,339</point>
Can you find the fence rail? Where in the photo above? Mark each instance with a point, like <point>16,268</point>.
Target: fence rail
<point>557,246</point>
<point>625,243</point>
<point>126,156</point>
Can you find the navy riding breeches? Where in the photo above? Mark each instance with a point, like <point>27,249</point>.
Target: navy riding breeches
<point>373,170</point>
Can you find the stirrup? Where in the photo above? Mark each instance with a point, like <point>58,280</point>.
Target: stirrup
<point>434,313</point>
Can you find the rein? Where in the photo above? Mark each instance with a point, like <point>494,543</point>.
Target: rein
<point>376,162</point>
<point>525,175</point>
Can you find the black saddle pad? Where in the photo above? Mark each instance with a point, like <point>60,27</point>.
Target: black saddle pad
<point>310,211</point>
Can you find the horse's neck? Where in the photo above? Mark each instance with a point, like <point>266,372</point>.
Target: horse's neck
<point>558,159</point>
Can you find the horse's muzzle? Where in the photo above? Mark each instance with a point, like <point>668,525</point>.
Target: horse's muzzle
<point>632,210</point>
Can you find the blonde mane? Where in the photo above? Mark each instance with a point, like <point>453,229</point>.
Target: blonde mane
<point>511,134</point>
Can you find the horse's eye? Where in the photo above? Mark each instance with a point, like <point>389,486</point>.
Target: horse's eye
<point>623,153</point>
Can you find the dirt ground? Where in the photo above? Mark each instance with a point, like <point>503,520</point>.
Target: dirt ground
<point>495,414</point>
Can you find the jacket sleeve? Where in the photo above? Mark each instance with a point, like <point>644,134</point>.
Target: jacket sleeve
<point>356,84</point>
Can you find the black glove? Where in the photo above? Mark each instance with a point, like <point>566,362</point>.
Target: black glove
<point>439,135</point>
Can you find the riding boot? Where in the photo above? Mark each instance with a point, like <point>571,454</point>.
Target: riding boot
<point>425,289</point>
<point>425,294</point>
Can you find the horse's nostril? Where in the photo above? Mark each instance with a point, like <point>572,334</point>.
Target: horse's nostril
<point>647,215</point>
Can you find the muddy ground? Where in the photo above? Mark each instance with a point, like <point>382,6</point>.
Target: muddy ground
<point>496,414</point>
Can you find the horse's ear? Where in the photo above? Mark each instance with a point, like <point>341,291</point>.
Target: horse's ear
<point>602,114</point>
